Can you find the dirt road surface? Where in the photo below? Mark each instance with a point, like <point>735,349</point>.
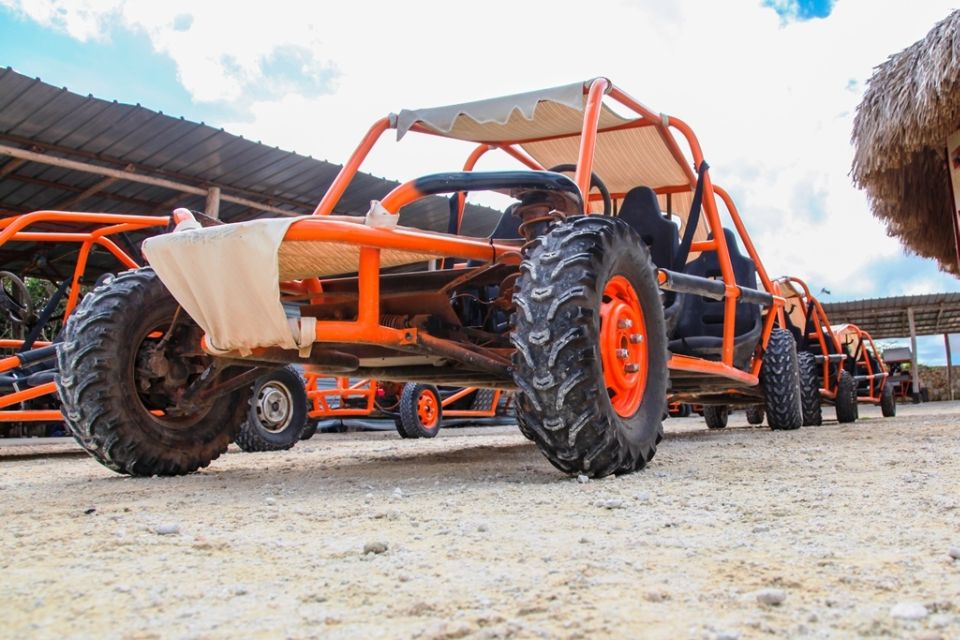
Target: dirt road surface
<point>837,531</point>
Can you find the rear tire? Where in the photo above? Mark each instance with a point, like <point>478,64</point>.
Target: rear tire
<point>592,394</point>
<point>755,414</point>
<point>847,408</point>
<point>310,429</point>
<point>420,411</point>
<point>277,415</point>
<point>716,416</point>
<point>108,398</point>
<point>888,404</point>
<point>780,378</point>
<point>810,399</point>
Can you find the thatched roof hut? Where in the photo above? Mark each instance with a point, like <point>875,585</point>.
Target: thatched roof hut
<point>911,106</point>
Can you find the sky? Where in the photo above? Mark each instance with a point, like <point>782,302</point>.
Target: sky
<point>770,87</point>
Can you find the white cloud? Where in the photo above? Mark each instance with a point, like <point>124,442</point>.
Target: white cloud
<point>772,102</point>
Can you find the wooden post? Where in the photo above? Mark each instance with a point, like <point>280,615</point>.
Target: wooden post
<point>914,370</point>
<point>946,343</point>
<point>213,202</point>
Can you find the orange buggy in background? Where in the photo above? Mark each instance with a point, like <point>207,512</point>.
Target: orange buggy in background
<point>825,373</point>
<point>609,295</point>
<point>418,410</point>
<point>865,364</point>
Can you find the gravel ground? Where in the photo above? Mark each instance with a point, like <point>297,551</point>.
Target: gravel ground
<point>824,532</point>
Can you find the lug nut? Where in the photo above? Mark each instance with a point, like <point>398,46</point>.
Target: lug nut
<point>622,354</point>
<point>631,368</point>
<point>625,324</point>
<point>636,338</point>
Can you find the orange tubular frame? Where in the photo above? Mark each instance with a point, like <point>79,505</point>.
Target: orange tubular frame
<point>367,327</point>
<point>366,389</point>
<point>13,229</point>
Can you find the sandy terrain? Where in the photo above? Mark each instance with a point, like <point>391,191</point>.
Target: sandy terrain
<point>850,528</point>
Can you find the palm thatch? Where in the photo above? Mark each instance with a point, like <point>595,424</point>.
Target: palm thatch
<point>900,134</point>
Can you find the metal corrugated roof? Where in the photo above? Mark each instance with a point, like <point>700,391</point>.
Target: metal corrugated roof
<point>934,314</point>
<point>39,117</point>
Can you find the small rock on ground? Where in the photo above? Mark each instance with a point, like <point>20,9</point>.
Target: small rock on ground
<point>375,547</point>
<point>772,597</point>
<point>908,611</point>
<point>167,529</point>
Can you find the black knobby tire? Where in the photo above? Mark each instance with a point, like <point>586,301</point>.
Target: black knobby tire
<point>780,379</point>
<point>810,400</point>
<point>562,401</point>
<point>755,414</point>
<point>410,424</point>
<point>716,416</point>
<point>888,403</point>
<point>102,403</point>
<point>310,429</point>
<point>277,415</point>
<point>848,409</point>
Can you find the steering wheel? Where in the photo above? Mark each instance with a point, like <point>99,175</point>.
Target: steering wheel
<point>15,300</point>
<point>595,182</point>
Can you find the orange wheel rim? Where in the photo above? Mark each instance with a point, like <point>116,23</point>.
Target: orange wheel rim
<point>427,409</point>
<point>623,346</point>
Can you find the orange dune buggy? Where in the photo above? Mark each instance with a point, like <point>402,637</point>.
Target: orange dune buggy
<point>418,410</point>
<point>824,363</point>
<point>867,368</point>
<point>590,305</point>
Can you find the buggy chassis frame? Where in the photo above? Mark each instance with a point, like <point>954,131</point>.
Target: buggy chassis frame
<point>14,229</point>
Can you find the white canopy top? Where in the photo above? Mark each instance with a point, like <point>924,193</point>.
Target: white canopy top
<point>624,158</point>
<point>547,125</point>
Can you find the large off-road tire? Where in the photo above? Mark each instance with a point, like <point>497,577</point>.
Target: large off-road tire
<point>420,411</point>
<point>848,410</point>
<point>754,414</point>
<point>277,415</point>
<point>716,416</point>
<point>591,353</point>
<point>888,403</point>
<point>780,379</point>
<point>108,398</point>
<point>810,400</point>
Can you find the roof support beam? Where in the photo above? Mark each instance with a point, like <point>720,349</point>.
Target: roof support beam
<point>914,371</point>
<point>213,203</point>
<point>63,163</point>
<point>11,166</point>
<point>73,201</point>
<point>946,343</point>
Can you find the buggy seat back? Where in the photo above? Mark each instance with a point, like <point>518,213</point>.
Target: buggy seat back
<point>700,328</point>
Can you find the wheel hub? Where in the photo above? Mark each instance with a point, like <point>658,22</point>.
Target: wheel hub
<point>427,409</point>
<point>274,406</point>
<point>623,346</point>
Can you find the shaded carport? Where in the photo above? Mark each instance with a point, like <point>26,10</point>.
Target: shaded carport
<point>904,316</point>
<point>64,151</point>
